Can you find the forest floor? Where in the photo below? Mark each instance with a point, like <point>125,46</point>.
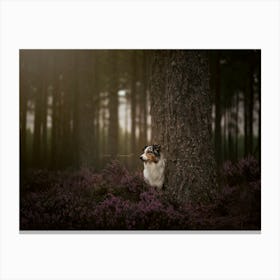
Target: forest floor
<point>116,199</point>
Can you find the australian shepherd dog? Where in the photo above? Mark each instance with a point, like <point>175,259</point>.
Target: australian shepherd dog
<point>154,165</point>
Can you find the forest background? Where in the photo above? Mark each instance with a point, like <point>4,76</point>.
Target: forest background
<point>81,110</point>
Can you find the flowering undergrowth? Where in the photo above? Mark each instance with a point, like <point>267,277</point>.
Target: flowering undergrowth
<point>116,199</point>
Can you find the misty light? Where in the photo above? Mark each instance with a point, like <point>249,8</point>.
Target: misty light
<point>122,93</point>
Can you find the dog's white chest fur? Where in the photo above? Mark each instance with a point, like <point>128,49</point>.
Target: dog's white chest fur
<point>154,173</point>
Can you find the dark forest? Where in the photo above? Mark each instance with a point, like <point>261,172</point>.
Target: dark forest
<point>86,115</point>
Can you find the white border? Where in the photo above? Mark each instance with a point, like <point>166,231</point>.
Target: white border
<point>146,24</point>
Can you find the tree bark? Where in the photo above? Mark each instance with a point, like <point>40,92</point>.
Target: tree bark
<point>181,118</point>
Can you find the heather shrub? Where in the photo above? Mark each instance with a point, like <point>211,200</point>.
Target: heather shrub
<point>245,170</point>
<point>112,213</point>
<point>38,179</point>
<point>117,199</point>
<point>240,195</point>
<point>153,212</point>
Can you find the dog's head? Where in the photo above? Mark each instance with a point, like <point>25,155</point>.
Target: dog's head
<point>151,153</point>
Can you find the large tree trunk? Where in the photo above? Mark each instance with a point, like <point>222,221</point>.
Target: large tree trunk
<point>181,118</point>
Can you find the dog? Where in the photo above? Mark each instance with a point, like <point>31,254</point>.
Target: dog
<point>154,166</point>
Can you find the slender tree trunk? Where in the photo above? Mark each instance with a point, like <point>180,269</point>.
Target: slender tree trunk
<point>66,128</point>
<point>67,121</point>
<point>218,110</point>
<point>225,134</point>
<point>75,107</point>
<point>127,144</point>
<point>44,123</point>
<point>181,115</point>
<point>23,111</point>
<point>143,105</point>
<point>113,107</point>
<point>105,132</point>
<point>250,112</point>
<point>54,129</point>
<point>133,103</point>
<point>144,100</point>
<point>85,110</point>
<point>246,122</point>
<point>37,128</point>
<point>97,130</point>
<point>23,131</point>
<point>230,132</point>
<point>259,112</point>
<point>236,125</point>
<point>96,103</point>
<point>55,117</point>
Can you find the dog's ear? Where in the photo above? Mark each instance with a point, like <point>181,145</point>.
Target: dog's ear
<point>156,148</point>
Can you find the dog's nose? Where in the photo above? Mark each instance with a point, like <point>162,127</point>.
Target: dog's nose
<point>141,157</point>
